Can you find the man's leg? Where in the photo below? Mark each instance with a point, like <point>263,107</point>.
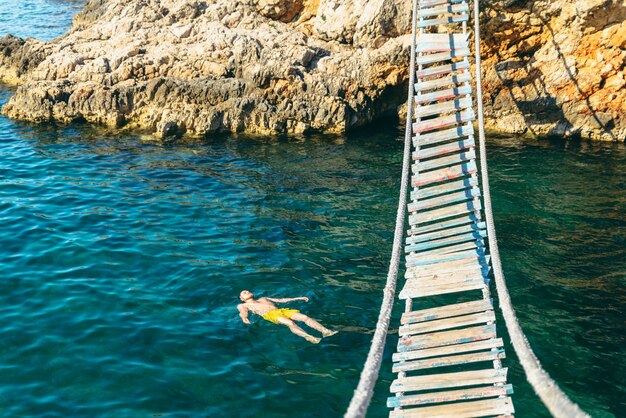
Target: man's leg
<point>313,324</point>
<point>298,331</point>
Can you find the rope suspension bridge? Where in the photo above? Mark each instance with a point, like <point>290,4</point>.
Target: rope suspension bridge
<point>449,357</point>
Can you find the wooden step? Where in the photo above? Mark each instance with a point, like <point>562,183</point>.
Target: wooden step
<point>446,233</point>
<point>446,212</point>
<point>448,281</point>
<point>443,107</point>
<point>439,95</point>
<point>443,338</point>
<point>449,350</point>
<point>442,69</point>
<point>443,121</point>
<point>440,42</point>
<point>455,248</point>
<point>443,289</point>
<point>426,259</point>
<point>448,276</point>
<point>441,225</point>
<point>443,20</point>
<point>443,161</point>
<point>433,287</point>
<point>444,149</point>
<point>431,192</point>
<point>444,200</point>
<point>422,86</point>
<point>444,9</point>
<point>456,360</point>
<point>444,242</point>
<point>473,409</point>
<point>454,266</point>
<point>449,380</point>
<point>433,3</point>
<point>435,259</point>
<point>448,323</point>
<point>437,57</point>
<point>444,174</point>
<point>450,396</point>
<point>447,311</point>
<point>425,139</point>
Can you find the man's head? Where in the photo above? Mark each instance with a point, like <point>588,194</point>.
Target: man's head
<point>245,295</point>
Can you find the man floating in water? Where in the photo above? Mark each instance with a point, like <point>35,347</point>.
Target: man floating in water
<point>265,308</point>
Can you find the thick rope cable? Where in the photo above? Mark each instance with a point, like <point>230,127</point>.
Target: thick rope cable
<point>552,396</point>
<point>371,369</point>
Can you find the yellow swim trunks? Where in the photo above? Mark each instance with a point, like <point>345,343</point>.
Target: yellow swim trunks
<point>273,315</point>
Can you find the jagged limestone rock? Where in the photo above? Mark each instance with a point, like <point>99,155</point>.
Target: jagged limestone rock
<point>292,66</point>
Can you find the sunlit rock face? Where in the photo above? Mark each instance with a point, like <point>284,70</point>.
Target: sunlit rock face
<point>293,66</point>
<point>556,67</point>
<point>174,66</point>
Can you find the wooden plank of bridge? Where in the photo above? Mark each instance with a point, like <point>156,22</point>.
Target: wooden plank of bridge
<point>444,161</point>
<point>425,139</point>
<point>446,232</point>
<point>448,396</point>
<point>449,380</point>
<point>482,408</point>
<point>449,349</point>
<point>448,148</point>
<point>442,82</point>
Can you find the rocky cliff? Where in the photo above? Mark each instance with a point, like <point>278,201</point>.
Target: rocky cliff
<point>556,67</point>
<point>273,66</point>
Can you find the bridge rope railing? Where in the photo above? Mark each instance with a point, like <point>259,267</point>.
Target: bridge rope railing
<point>371,369</point>
<point>546,388</point>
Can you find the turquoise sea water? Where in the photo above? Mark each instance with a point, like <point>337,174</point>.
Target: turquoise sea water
<point>122,258</point>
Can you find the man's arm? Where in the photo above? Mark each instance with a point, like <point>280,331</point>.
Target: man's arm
<point>243,313</point>
<point>285,300</point>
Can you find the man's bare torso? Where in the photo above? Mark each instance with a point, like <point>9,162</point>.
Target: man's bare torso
<point>260,306</point>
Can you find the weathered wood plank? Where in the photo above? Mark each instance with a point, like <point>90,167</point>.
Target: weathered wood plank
<point>474,271</point>
<point>443,289</point>
<point>446,212</point>
<point>447,350</point>
<point>456,360</point>
<point>447,311</point>
<point>432,138</point>
<point>439,95</point>
<point>441,225</point>
<point>473,409</point>
<point>448,323</point>
<point>451,249</point>
<point>442,56</point>
<point>442,69</point>
<point>442,107</point>
<point>436,151</point>
<point>448,199</point>
<point>444,242</point>
<point>442,82</point>
<point>446,233</point>
<point>433,3</point>
<point>449,380</point>
<point>423,193</point>
<point>444,161</point>
<point>450,396</point>
<point>435,259</point>
<point>461,265</point>
<point>442,338</point>
<point>442,21</point>
<point>444,174</point>
<point>441,10</point>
